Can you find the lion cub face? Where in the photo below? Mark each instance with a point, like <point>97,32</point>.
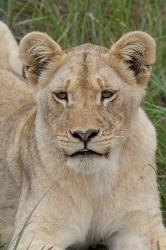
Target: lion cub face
<point>87,96</point>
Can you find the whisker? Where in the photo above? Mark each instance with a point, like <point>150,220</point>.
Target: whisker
<point>110,138</point>
<point>116,131</point>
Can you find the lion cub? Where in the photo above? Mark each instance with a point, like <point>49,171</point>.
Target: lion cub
<point>77,151</point>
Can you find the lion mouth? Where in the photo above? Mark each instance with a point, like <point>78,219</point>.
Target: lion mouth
<point>85,152</point>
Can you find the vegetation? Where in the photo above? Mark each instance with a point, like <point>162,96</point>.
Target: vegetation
<point>72,22</point>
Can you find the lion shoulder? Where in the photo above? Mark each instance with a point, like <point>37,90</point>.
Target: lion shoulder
<point>14,94</point>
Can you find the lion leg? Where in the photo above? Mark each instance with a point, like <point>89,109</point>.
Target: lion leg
<point>9,51</point>
<point>126,241</point>
<point>39,230</point>
<point>161,238</point>
<point>35,237</point>
<point>38,245</point>
<point>142,231</point>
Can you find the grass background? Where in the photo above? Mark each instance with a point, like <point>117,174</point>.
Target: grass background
<point>72,22</point>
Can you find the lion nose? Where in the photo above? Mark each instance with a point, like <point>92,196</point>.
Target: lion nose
<point>85,136</point>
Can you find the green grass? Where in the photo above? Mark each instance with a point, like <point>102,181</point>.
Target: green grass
<point>72,22</point>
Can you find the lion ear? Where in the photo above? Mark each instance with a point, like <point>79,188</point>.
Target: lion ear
<point>136,51</point>
<point>36,51</point>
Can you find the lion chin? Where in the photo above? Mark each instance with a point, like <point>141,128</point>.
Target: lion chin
<point>87,164</point>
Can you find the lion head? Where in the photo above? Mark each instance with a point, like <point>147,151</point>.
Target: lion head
<point>87,96</point>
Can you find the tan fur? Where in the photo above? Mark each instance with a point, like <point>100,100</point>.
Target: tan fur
<point>79,200</point>
<point>9,51</point>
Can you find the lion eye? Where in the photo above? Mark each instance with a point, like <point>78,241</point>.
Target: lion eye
<point>107,94</point>
<point>62,95</point>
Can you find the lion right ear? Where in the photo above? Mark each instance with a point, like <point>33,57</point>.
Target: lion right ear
<point>36,51</point>
<point>135,52</point>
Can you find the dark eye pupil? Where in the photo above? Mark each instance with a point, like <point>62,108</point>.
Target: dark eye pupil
<point>107,94</point>
<point>61,95</point>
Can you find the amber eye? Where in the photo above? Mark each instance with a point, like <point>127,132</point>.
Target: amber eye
<point>107,94</point>
<point>61,95</point>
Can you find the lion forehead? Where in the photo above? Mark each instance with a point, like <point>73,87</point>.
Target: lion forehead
<point>84,64</point>
<point>87,47</point>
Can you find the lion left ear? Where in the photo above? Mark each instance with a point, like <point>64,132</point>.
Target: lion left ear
<point>36,51</point>
<point>136,51</point>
